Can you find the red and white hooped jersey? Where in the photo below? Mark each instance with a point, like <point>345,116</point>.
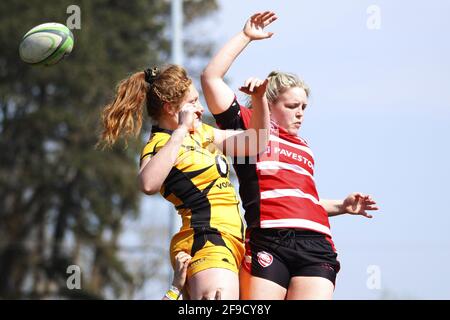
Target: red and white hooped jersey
<point>278,188</point>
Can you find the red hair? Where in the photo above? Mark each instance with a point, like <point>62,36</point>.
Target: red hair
<point>123,116</point>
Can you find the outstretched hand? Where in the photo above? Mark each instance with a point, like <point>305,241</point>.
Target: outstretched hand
<point>358,203</point>
<point>254,27</point>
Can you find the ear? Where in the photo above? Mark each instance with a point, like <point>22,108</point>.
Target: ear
<point>168,109</point>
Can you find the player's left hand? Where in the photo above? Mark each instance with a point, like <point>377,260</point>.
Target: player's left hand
<point>254,87</point>
<point>358,203</point>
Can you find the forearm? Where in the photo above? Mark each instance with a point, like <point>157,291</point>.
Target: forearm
<point>218,94</point>
<point>222,61</point>
<point>260,121</point>
<point>332,207</point>
<point>253,140</point>
<point>154,172</point>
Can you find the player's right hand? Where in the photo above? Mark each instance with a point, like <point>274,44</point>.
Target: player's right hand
<point>186,116</point>
<point>254,27</point>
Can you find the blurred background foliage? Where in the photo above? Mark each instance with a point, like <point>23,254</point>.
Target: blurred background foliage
<point>63,202</point>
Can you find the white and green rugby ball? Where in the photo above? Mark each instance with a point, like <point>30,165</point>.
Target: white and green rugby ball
<point>46,44</point>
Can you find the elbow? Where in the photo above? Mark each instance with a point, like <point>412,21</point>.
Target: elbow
<point>148,187</point>
<point>149,190</point>
<point>204,77</point>
<point>207,76</point>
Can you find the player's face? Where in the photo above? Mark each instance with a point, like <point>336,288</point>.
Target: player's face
<point>289,108</point>
<point>192,97</point>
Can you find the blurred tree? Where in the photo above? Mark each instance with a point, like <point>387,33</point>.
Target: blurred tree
<point>63,202</point>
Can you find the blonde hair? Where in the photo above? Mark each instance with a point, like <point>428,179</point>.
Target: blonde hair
<point>279,82</point>
<point>124,115</point>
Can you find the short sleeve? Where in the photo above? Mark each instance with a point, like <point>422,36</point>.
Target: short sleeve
<point>155,143</point>
<point>235,117</point>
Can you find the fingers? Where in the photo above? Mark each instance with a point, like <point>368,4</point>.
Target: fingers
<point>366,199</point>
<point>185,265</point>
<point>247,82</point>
<point>251,84</point>
<point>355,204</point>
<point>358,203</point>
<point>264,84</point>
<point>255,16</point>
<point>182,256</point>
<point>268,17</point>
<point>182,260</point>
<point>369,203</point>
<point>185,259</point>
<point>254,84</point>
<point>265,17</point>
<point>357,195</point>
<point>257,22</point>
<point>186,116</point>
<point>365,214</point>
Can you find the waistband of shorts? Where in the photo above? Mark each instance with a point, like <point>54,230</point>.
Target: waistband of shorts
<point>287,232</point>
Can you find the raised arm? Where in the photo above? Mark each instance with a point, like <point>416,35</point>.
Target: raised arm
<point>155,170</point>
<point>356,204</point>
<point>218,94</point>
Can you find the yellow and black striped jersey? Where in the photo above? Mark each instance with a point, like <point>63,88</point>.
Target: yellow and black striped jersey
<point>198,184</point>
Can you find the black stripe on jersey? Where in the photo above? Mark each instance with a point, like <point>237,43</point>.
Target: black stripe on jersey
<point>151,153</point>
<point>230,118</point>
<point>250,192</point>
<point>244,168</point>
<point>148,154</point>
<point>180,184</point>
<point>203,234</point>
<point>156,129</point>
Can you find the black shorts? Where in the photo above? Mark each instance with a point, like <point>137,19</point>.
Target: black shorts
<point>280,254</point>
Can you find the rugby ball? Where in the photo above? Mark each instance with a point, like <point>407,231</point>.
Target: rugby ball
<point>46,44</point>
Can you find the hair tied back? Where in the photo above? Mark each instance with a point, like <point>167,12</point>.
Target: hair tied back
<point>151,75</point>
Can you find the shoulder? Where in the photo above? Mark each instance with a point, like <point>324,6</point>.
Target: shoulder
<point>154,144</point>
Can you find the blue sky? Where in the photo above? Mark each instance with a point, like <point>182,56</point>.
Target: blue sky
<point>378,122</point>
